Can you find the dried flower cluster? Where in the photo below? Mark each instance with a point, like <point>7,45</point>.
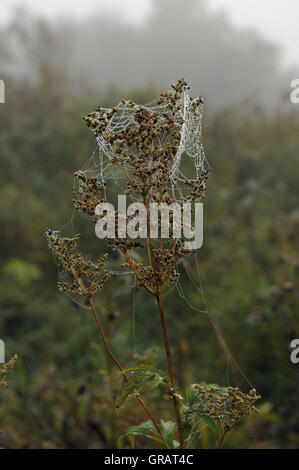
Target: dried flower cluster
<point>146,150</point>
<point>89,196</point>
<point>86,276</point>
<point>5,369</point>
<point>156,278</point>
<point>226,405</point>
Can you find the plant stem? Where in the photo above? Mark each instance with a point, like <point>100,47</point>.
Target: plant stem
<point>151,258</point>
<point>123,373</point>
<point>221,441</point>
<point>224,433</point>
<point>171,371</point>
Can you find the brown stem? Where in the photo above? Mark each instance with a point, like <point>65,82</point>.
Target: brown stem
<point>149,244</point>
<point>134,270</point>
<point>123,373</point>
<point>221,441</point>
<point>171,371</point>
<point>224,433</point>
<point>127,174</point>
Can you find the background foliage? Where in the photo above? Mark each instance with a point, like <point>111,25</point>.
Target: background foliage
<point>60,392</point>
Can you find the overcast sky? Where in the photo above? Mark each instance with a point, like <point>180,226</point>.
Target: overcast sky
<point>277,20</point>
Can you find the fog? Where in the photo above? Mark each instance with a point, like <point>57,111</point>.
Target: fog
<point>225,64</point>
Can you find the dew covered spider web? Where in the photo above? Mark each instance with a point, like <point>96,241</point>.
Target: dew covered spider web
<point>189,162</point>
<point>190,155</point>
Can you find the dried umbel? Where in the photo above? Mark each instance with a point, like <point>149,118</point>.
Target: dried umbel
<point>148,142</point>
<point>86,277</point>
<point>220,407</point>
<point>5,369</point>
<point>86,280</point>
<point>155,279</point>
<point>89,193</point>
<point>145,145</point>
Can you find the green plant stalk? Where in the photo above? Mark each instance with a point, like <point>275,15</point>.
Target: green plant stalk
<point>123,373</point>
<point>171,371</point>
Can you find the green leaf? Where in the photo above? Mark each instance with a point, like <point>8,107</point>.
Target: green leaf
<point>168,429</point>
<point>147,429</point>
<point>192,408</point>
<point>144,378</point>
<point>192,395</point>
<point>147,369</point>
<point>134,388</point>
<point>215,428</point>
<point>121,440</point>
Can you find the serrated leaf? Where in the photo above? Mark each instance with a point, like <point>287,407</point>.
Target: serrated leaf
<point>130,390</point>
<point>151,370</point>
<point>146,429</point>
<point>145,378</point>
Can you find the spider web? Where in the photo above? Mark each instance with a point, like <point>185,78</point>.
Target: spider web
<point>188,121</point>
<point>190,151</point>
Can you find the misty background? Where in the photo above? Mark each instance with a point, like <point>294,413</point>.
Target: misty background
<point>60,59</point>
<point>103,44</point>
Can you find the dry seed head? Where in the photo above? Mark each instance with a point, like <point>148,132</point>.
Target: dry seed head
<point>86,278</point>
<point>5,369</point>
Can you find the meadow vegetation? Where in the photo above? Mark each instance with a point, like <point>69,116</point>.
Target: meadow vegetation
<point>64,388</point>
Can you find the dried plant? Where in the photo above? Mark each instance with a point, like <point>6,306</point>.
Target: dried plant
<point>5,369</point>
<point>86,280</point>
<point>144,146</point>
<point>220,407</point>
